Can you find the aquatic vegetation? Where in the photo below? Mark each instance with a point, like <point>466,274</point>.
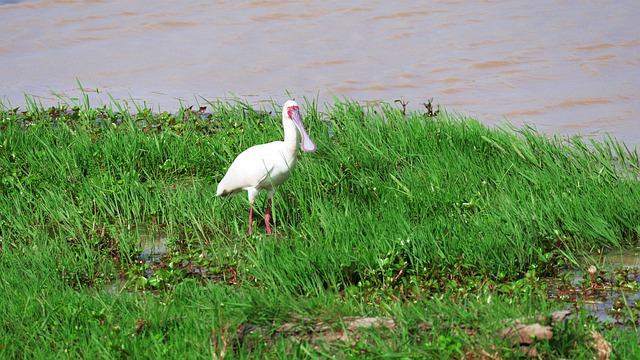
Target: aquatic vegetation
<point>423,218</point>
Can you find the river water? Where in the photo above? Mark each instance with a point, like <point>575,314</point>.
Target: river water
<point>566,67</point>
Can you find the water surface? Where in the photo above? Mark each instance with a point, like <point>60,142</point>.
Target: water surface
<point>565,67</point>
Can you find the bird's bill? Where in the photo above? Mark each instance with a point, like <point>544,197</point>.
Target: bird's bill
<point>307,144</point>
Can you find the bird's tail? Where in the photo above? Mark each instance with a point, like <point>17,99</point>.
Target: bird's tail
<point>220,191</point>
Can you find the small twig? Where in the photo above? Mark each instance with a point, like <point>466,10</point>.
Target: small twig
<point>218,353</point>
<point>398,275</point>
<point>404,105</point>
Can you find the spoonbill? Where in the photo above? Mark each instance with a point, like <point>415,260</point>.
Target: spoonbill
<point>265,166</point>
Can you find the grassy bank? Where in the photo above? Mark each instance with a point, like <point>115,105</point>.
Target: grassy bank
<point>438,222</point>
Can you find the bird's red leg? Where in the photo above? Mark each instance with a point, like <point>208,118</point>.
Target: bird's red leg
<point>267,216</point>
<point>251,193</point>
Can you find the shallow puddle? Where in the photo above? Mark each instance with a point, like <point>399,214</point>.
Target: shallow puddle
<point>615,308</point>
<point>153,242</point>
<point>609,291</point>
<point>620,259</point>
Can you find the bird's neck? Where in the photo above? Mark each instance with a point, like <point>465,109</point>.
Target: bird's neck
<point>291,137</point>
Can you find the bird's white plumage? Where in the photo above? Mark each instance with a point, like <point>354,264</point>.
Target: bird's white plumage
<point>262,167</point>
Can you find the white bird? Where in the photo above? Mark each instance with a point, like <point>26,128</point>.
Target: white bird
<point>265,166</point>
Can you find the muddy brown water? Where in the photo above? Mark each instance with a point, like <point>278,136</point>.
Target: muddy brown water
<point>564,67</point>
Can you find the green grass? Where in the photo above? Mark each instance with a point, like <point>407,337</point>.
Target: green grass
<point>436,220</point>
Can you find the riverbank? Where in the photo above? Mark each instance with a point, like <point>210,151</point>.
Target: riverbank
<point>435,222</point>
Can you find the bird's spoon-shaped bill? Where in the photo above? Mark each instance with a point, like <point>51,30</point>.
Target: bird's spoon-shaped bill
<point>307,143</point>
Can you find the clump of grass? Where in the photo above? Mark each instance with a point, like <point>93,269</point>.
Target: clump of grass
<point>394,207</point>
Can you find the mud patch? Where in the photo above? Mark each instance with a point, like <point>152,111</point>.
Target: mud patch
<point>316,331</point>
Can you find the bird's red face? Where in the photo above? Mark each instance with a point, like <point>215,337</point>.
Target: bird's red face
<point>291,110</point>
<point>294,114</point>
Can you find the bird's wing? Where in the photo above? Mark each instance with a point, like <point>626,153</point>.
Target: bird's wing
<point>249,169</point>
